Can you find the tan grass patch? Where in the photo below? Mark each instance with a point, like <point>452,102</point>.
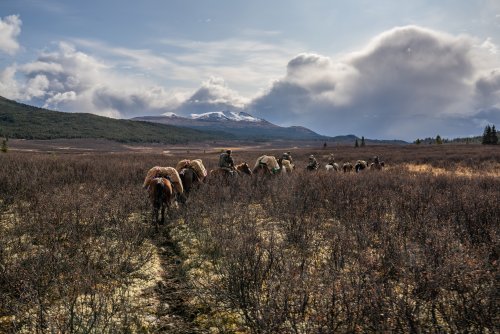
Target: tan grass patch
<point>459,171</point>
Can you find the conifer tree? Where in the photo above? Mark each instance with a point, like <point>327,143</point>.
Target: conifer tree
<point>490,136</point>
<point>438,139</point>
<point>362,141</point>
<point>486,135</point>
<point>356,144</point>
<point>494,137</point>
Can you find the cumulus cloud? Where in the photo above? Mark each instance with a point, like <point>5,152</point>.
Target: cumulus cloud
<point>213,95</point>
<point>408,82</point>
<point>8,84</point>
<point>488,90</point>
<point>10,28</point>
<point>70,80</point>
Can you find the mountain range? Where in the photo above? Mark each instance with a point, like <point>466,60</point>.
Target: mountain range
<point>18,120</point>
<point>239,124</point>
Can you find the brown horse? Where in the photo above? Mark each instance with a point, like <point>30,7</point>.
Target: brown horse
<point>239,170</point>
<point>377,166</point>
<point>161,195</point>
<point>190,179</point>
<point>243,169</point>
<point>347,167</point>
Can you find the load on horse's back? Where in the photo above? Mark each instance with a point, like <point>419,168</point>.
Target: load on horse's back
<point>360,165</point>
<point>286,165</point>
<point>191,172</point>
<point>196,165</point>
<point>166,172</point>
<point>332,166</point>
<point>266,164</point>
<point>169,173</point>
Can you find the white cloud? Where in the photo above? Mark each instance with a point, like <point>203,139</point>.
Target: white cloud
<point>213,95</point>
<point>490,46</point>
<point>60,98</point>
<point>70,80</point>
<point>408,82</point>
<point>10,28</point>
<point>37,86</point>
<point>248,64</point>
<point>9,87</point>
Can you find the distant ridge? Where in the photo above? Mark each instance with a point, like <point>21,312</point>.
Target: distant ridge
<point>240,124</point>
<point>22,121</point>
<point>18,120</point>
<point>244,126</point>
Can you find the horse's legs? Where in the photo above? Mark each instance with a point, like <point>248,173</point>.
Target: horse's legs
<point>163,206</point>
<point>155,217</point>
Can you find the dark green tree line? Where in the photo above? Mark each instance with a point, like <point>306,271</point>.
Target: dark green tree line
<point>490,135</point>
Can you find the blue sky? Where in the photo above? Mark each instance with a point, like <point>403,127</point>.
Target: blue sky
<point>381,69</point>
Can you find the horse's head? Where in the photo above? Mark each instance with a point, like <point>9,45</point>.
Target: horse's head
<point>244,168</point>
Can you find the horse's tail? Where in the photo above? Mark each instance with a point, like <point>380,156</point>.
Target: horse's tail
<point>159,193</point>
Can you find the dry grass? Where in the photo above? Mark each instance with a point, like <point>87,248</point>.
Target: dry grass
<point>413,248</point>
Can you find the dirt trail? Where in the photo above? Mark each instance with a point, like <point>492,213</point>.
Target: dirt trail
<point>174,313</point>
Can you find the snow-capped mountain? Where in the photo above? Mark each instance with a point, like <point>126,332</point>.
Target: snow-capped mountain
<point>225,116</point>
<point>237,123</point>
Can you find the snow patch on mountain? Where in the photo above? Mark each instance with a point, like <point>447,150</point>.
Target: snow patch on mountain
<point>226,116</point>
<point>170,114</point>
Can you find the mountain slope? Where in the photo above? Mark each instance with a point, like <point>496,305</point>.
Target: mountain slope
<point>19,120</point>
<point>241,125</point>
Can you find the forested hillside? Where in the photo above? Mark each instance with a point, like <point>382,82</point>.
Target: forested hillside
<point>19,120</point>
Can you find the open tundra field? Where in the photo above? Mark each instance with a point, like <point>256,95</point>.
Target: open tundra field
<point>411,248</point>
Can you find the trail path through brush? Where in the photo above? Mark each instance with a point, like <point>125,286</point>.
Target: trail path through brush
<point>174,313</point>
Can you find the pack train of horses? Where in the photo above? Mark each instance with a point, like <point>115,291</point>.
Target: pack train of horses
<point>165,185</point>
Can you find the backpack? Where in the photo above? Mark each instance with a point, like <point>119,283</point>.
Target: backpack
<point>222,160</point>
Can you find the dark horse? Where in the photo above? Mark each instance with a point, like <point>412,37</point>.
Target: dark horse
<point>161,196</point>
<point>190,179</point>
<point>360,165</point>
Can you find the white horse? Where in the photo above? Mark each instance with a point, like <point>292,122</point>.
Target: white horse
<point>332,166</point>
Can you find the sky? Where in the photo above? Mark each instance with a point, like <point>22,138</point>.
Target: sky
<point>379,69</point>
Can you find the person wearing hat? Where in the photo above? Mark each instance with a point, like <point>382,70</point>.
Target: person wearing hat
<point>226,161</point>
<point>331,159</point>
<point>312,164</point>
<point>287,156</point>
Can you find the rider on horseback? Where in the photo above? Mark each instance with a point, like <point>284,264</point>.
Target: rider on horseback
<point>226,162</point>
<point>312,164</point>
<point>331,159</point>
